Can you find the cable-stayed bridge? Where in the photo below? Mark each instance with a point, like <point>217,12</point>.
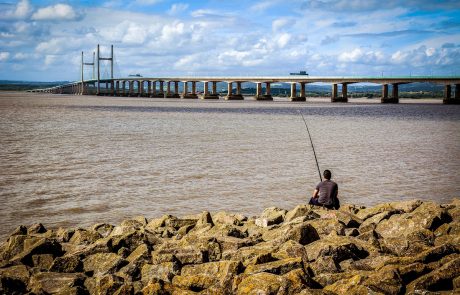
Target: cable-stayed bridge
<point>168,87</point>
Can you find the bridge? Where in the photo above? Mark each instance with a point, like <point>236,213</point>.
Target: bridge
<point>168,87</point>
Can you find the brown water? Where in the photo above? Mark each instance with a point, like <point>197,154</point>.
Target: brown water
<point>74,161</point>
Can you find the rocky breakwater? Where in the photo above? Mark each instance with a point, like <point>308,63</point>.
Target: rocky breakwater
<point>395,248</point>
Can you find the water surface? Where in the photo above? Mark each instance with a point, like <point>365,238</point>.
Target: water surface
<point>74,161</point>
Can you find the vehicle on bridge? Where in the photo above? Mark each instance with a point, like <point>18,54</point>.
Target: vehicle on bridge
<point>301,73</point>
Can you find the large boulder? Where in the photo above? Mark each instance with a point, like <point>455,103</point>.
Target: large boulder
<point>84,237</point>
<point>303,233</point>
<point>67,264</point>
<point>278,267</point>
<point>218,275</point>
<point>35,246</point>
<point>228,218</point>
<point>271,216</point>
<point>440,279</point>
<point>164,271</point>
<point>300,211</point>
<point>339,247</point>
<point>54,283</point>
<point>102,263</point>
<point>261,283</point>
<point>14,279</point>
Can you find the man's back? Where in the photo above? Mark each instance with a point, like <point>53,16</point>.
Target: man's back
<point>327,189</point>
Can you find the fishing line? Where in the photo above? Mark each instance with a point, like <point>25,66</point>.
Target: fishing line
<point>312,146</point>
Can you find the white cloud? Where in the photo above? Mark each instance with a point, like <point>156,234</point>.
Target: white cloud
<point>177,8</point>
<point>358,55</point>
<point>282,23</point>
<point>4,56</point>
<point>56,12</point>
<point>283,39</point>
<point>21,11</point>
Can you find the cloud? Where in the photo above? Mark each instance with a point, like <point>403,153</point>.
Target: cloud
<point>282,23</point>
<point>56,12</point>
<point>358,55</point>
<point>177,8</point>
<point>4,56</point>
<point>148,2</point>
<point>21,11</point>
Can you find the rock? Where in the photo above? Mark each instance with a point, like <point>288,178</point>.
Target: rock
<point>35,247</point>
<point>154,224</point>
<point>204,220</point>
<point>347,219</point>
<point>20,230</point>
<point>186,254</point>
<point>142,252</point>
<point>64,235</point>
<point>370,237</point>
<point>42,261</point>
<point>413,243</point>
<point>177,223</point>
<point>440,279</point>
<point>371,222</point>
<point>131,240</point>
<point>261,283</point>
<point>427,216</point>
<point>353,285</point>
<point>14,279</point>
<point>435,253</point>
<point>290,249</point>
<point>385,282</point>
<point>303,233</point>
<point>297,281</point>
<point>301,210</point>
<point>36,228</point>
<point>339,247</point>
<point>53,282</point>
<point>67,264</point>
<point>103,229</point>
<point>207,275</point>
<point>84,237</point>
<point>228,218</point>
<point>164,271</point>
<point>406,206</point>
<point>13,246</point>
<point>351,232</point>
<point>278,267</point>
<point>327,226</point>
<point>137,221</point>
<point>324,264</point>
<point>271,216</point>
<point>108,284</point>
<point>102,263</point>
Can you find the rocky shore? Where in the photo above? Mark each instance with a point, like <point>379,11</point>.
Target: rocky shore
<point>408,247</point>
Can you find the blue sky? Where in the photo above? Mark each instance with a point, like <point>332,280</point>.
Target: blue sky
<point>43,40</point>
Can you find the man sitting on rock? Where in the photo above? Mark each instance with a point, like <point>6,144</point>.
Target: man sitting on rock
<point>325,194</point>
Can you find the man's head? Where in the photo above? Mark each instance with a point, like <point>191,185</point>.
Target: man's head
<point>327,174</point>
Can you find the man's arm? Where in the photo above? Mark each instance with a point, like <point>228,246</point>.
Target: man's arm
<point>315,193</point>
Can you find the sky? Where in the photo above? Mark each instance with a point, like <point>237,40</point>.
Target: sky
<point>43,40</point>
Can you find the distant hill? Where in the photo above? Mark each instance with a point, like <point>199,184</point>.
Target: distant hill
<point>8,85</point>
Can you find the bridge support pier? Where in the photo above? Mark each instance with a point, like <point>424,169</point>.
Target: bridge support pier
<point>263,96</point>
<point>186,94</point>
<point>394,97</point>
<point>207,94</point>
<point>131,88</point>
<point>335,97</point>
<point>448,94</point>
<point>160,93</point>
<point>230,94</point>
<point>294,96</point>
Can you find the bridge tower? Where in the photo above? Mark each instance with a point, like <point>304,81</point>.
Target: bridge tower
<point>83,64</point>
<point>99,58</point>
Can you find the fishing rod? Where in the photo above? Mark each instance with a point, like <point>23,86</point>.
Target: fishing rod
<point>312,146</point>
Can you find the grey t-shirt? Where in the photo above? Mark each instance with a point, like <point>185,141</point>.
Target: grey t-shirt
<point>327,189</point>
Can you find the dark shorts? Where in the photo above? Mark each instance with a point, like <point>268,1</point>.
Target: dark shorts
<point>314,201</point>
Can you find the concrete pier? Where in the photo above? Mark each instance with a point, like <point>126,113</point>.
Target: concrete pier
<point>231,95</point>
<point>448,99</point>
<point>394,94</point>
<point>334,95</point>
<point>263,96</point>
<point>207,94</point>
<point>294,96</point>
<point>185,92</point>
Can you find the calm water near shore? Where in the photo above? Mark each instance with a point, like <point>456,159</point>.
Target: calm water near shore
<point>75,161</point>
